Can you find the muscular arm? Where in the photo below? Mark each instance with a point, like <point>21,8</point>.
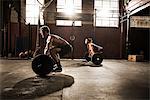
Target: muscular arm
<point>48,44</point>
<point>46,47</point>
<point>97,46</point>
<point>59,41</point>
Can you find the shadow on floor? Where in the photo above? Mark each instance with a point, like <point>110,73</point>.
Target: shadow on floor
<point>136,92</point>
<point>135,89</point>
<point>35,87</point>
<point>89,64</point>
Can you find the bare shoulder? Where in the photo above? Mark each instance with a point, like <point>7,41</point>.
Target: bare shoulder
<point>56,36</point>
<point>59,38</point>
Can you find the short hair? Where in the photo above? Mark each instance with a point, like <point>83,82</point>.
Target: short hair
<point>43,29</point>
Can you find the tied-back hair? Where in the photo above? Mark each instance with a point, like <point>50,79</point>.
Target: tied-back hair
<point>88,40</point>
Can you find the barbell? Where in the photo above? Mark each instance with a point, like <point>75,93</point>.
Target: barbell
<point>97,58</point>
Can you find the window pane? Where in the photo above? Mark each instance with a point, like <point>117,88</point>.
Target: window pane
<point>30,1</point>
<point>30,20</point>
<point>29,14</point>
<point>67,23</point>
<point>69,7</point>
<point>114,4</point>
<point>98,22</point>
<point>105,4</point>
<point>64,22</point>
<point>78,23</point>
<point>105,23</point>
<point>29,7</point>
<point>32,11</point>
<point>107,12</point>
<point>59,22</point>
<point>60,2</point>
<point>35,20</point>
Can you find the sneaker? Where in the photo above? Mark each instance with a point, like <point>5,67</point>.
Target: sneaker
<point>57,69</point>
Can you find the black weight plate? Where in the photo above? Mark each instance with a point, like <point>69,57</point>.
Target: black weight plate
<point>97,59</point>
<point>42,65</point>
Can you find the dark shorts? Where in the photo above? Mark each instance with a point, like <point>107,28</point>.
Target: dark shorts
<point>66,49</point>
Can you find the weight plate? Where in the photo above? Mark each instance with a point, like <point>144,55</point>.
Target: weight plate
<point>97,59</point>
<point>42,65</point>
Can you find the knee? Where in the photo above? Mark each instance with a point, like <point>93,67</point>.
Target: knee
<point>55,51</point>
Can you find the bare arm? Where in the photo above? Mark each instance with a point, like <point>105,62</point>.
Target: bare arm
<point>46,47</point>
<point>48,44</point>
<point>97,46</point>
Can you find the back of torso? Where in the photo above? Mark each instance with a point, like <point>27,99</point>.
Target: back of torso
<point>57,41</point>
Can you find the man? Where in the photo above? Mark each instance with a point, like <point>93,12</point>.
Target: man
<point>55,46</point>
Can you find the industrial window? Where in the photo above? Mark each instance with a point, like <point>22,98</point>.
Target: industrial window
<point>32,12</point>
<point>106,13</point>
<point>69,8</point>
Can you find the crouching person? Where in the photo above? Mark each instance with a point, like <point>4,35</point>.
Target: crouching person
<point>55,47</point>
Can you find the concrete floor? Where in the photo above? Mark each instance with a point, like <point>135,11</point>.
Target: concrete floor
<point>114,80</point>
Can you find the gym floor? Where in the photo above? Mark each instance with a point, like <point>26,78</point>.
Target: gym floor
<point>113,80</point>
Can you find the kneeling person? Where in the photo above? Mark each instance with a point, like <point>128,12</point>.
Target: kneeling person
<point>92,48</point>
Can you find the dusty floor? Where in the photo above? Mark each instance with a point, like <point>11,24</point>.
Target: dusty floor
<point>114,80</point>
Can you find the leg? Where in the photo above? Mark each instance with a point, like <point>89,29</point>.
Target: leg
<point>55,56</point>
